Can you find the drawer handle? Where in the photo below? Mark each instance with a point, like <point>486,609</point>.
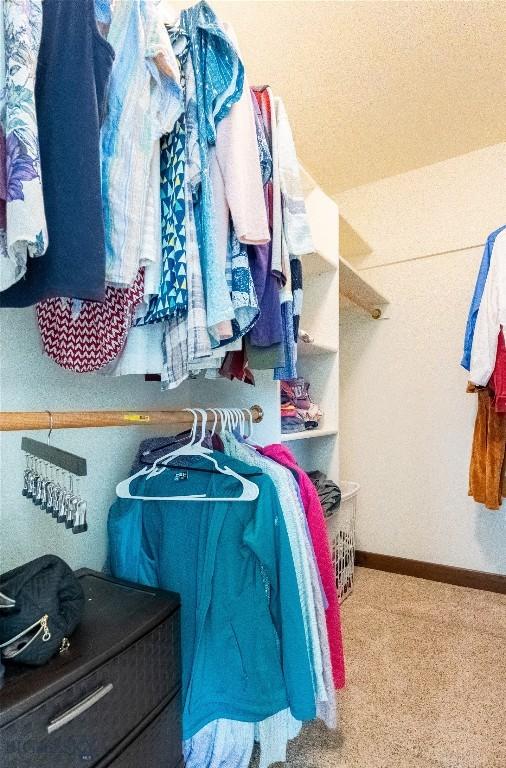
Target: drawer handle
<point>78,709</point>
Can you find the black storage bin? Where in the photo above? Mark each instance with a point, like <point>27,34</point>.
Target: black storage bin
<point>157,745</point>
<point>113,696</point>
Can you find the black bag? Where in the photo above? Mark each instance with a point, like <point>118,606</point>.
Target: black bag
<point>49,602</point>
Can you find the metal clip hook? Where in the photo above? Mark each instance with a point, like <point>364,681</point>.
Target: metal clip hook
<point>50,427</point>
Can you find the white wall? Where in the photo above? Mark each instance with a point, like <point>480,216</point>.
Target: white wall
<point>442,207</point>
<point>406,420</point>
<point>31,382</point>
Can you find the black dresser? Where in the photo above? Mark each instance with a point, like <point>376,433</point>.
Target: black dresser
<point>113,699</point>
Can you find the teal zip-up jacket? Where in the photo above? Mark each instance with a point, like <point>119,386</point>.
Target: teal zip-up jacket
<point>244,653</point>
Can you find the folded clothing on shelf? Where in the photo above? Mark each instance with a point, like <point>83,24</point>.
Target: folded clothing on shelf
<point>291,421</point>
<point>298,412</point>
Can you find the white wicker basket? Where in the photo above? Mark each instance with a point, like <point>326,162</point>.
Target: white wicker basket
<point>341,532</point>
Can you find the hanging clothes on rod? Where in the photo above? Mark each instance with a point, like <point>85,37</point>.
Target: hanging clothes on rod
<point>247,571</point>
<point>264,342</point>
<point>73,73</point>
<point>144,102</point>
<point>28,420</point>
<point>487,471</point>
<point>319,537</point>
<point>485,358</point>
<point>23,229</point>
<point>477,296</point>
<point>491,317</point>
<point>197,176</point>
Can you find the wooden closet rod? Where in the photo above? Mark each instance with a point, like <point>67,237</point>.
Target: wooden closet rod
<point>375,312</point>
<point>26,420</point>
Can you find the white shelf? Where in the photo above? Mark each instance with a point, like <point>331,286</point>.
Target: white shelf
<point>318,263</point>
<point>323,218</point>
<point>315,348</point>
<point>358,291</point>
<point>319,360</point>
<point>307,434</point>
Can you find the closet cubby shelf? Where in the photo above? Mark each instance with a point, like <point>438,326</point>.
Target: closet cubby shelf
<point>307,434</point>
<point>323,216</point>
<point>318,361</point>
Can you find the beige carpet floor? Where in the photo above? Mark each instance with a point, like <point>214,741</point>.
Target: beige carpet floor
<point>426,666</point>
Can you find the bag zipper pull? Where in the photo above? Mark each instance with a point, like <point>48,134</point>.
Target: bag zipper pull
<point>43,623</point>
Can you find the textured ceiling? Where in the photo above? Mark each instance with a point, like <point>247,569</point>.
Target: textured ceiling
<point>378,88</point>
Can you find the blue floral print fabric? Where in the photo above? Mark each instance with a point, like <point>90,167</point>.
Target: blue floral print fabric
<point>23,229</point>
<point>74,64</point>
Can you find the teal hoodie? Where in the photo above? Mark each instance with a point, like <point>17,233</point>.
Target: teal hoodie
<point>244,653</point>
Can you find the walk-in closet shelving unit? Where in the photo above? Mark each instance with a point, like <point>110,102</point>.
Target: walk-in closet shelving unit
<point>318,361</point>
<point>328,280</point>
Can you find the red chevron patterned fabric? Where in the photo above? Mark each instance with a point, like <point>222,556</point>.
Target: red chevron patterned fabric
<point>94,337</point>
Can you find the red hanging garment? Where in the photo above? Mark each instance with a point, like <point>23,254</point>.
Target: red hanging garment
<point>497,383</point>
<point>87,339</point>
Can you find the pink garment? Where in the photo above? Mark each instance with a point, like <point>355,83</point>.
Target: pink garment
<point>318,531</point>
<point>238,190</point>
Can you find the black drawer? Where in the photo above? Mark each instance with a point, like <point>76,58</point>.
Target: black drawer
<point>158,745</point>
<point>119,695</point>
<point>116,615</point>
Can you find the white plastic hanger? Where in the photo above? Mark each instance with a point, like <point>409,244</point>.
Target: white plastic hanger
<point>215,424</point>
<point>249,489</point>
<point>250,417</point>
<point>224,419</point>
<point>246,434</point>
<point>239,424</point>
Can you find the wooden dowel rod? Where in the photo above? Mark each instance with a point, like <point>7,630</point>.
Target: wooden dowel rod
<point>26,420</point>
<point>375,312</point>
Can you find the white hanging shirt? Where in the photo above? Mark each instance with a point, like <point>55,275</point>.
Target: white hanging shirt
<point>144,101</point>
<point>491,315</point>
